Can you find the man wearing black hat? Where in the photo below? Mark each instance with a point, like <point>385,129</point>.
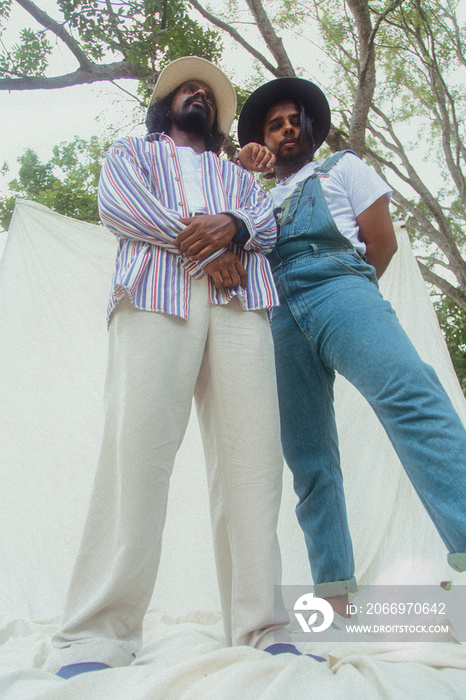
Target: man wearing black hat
<point>336,238</point>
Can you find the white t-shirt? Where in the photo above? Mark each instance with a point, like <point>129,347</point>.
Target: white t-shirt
<point>349,187</point>
<point>191,172</point>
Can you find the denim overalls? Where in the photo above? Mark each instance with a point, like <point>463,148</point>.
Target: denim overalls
<point>332,317</point>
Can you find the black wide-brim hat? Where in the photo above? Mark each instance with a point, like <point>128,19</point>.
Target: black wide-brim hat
<point>252,117</point>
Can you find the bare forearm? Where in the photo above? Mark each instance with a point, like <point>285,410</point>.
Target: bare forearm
<point>376,231</point>
<point>380,257</point>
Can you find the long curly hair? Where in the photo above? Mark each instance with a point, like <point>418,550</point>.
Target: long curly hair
<point>158,121</point>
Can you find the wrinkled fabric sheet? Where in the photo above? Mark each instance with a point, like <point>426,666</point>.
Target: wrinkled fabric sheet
<point>55,274</point>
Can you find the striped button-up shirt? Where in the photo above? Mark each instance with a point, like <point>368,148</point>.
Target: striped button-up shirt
<point>142,197</point>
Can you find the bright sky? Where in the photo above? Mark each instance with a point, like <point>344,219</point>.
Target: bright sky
<point>40,119</point>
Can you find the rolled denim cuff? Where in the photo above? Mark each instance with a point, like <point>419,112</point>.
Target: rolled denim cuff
<point>333,588</point>
<point>457,561</point>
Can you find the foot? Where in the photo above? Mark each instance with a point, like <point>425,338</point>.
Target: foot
<point>275,649</point>
<point>75,669</point>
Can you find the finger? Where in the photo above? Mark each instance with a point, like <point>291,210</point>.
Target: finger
<point>268,162</point>
<point>217,279</point>
<point>224,270</point>
<point>200,251</point>
<point>263,152</point>
<point>255,150</point>
<point>252,147</point>
<point>225,274</point>
<point>262,168</point>
<point>259,156</point>
<point>264,158</point>
<point>196,249</point>
<point>190,241</point>
<point>243,275</point>
<point>183,235</point>
<point>193,227</point>
<point>231,279</point>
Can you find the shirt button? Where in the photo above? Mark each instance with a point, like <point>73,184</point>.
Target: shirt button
<point>180,204</point>
<point>172,155</point>
<point>177,179</point>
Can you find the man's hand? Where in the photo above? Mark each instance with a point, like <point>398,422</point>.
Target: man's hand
<point>226,271</point>
<point>256,158</point>
<point>205,234</point>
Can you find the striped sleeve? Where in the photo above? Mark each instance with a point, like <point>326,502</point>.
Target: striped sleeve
<point>126,205</point>
<point>255,209</point>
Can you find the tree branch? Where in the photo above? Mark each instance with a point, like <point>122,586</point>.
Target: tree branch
<point>366,79</point>
<point>273,41</point>
<point>412,178</point>
<point>115,27</point>
<point>432,260</point>
<point>381,18</point>
<point>111,71</point>
<point>217,22</point>
<point>442,237</point>
<point>58,29</point>
<point>458,296</point>
<point>446,105</point>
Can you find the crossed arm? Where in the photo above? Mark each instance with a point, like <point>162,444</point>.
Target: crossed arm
<point>130,210</point>
<point>204,234</point>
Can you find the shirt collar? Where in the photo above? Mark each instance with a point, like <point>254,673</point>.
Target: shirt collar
<point>156,136</point>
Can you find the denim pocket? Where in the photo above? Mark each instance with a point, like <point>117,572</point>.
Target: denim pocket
<point>299,218</point>
<point>355,265</point>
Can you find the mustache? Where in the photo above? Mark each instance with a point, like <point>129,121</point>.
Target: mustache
<point>289,139</point>
<point>197,98</point>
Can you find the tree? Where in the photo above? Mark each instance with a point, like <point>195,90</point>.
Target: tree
<point>453,323</point>
<point>67,183</point>
<point>416,47</point>
<point>419,47</point>
<point>143,34</point>
<point>396,65</point>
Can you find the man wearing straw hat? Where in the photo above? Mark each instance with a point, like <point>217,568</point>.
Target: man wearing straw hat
<point>187,317</point>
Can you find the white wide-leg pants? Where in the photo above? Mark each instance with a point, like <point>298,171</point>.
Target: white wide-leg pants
<point>224,357</point>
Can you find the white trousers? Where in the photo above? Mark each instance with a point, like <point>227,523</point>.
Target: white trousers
<point>224,358</point>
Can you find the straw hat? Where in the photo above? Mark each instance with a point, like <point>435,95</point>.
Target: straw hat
<point>252,117</point>
<point>194,68</point>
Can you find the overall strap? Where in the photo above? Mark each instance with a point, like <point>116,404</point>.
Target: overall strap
<point>330,162</point>
<point>281,212</point>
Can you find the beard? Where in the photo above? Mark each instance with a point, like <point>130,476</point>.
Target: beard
<point>192,121</point>
<point>288,163</point>
<point>294,160</point>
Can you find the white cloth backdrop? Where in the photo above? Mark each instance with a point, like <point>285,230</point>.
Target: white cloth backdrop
<point>54,279</point>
